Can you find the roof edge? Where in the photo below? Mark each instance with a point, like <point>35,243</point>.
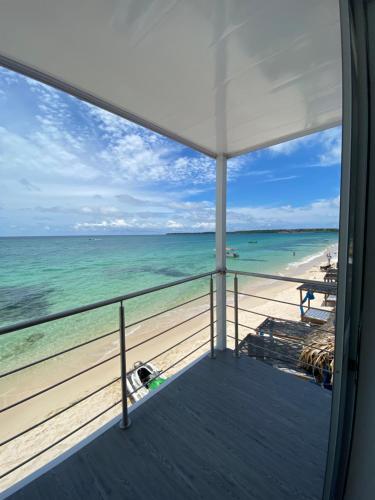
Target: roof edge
<point>284,138</point>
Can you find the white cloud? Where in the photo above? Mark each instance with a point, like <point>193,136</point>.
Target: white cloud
<point>116,223</point>
<point>331,142</point>
<point>77,163</point>
<point>38,155</point>
<point>320,213</point>
<point>279,179</point>
<point>172,224</point>
<point>288,147</point>
<point>141,156</point>
<point>204,226</point>
<point>328,141</point>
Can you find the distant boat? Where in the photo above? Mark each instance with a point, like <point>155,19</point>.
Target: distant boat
<point>231,252</point>
<point>252,241</point>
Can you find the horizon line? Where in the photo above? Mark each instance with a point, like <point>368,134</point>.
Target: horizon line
<point>237,231</point>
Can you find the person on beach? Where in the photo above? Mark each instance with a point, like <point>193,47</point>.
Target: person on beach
<point>329,257</point>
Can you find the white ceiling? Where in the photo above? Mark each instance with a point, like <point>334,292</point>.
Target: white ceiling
<point>222,76</point>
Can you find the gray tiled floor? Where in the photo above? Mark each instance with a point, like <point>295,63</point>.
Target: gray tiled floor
<point>226,429</point>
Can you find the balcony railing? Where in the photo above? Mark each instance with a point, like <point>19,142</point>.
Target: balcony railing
<point>238,322</point>
<point>121,355</point>
<point>320,356</point>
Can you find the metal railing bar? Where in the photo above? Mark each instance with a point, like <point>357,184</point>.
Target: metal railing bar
<point>172,347</point>
<point>50,417</point>
<point>98,364</point>
<point>96,305</point>
<point>240,324</point>
<point>57,384</point>
<point>273,334</point>
<point>276,277</point>
<point>59,440</point>
<point>29,365</point>
<point>57,354</point>
<point>285,356</point>
<point>276,300</point>
<point>167,330</point>
<point>274,317</point>
<point>99,389</point>
<point>283,337</point>
<point>166,310</point>
<point>171,366</point>
<point>279,358</point>
<point>95,417</point>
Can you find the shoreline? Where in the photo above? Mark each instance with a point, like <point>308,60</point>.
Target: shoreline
<point>58,368</point>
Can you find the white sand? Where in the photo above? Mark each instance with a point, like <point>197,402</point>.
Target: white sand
<point>34,379</point>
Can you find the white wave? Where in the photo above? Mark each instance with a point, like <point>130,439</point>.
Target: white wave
<point>306,260</point>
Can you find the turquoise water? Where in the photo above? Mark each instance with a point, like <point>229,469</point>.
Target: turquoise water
<point>39,276</point>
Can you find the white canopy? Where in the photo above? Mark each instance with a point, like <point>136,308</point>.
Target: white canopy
<point>222,76</point>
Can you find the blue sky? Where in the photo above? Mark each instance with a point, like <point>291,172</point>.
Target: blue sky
<point>68,168</point>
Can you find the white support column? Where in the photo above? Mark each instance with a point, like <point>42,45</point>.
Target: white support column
<point>221,222</point>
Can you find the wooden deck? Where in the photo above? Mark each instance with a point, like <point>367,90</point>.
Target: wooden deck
<point>226,429</point>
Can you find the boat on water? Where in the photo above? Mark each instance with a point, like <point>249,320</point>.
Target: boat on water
<point>232,252</point>
<point>253,241</point>
<point>144,377</point>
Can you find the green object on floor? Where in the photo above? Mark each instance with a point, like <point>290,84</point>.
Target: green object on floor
<point>154,384</point>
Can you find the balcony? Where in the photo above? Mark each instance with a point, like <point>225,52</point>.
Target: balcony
<point>224,424</point>
<point>226,428</point>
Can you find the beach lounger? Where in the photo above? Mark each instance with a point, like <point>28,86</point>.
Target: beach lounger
<point>315,316</point>
<point>331,300</point>
<point>283,328</point>
<point>330,277</point>
<point>326,267</point>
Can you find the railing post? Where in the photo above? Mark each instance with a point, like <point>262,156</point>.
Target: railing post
<point>212,330</point>
<point>220,236</point>
<point>236,353</point>
<point>125,421</point>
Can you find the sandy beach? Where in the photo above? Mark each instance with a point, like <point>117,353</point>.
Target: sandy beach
<point>51,372</point>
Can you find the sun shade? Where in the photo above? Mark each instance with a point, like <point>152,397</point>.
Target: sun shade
<point>221,76</point>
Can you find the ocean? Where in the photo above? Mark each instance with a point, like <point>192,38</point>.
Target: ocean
<point>43,275</point>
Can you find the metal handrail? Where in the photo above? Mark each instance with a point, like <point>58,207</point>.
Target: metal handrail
<point>168,329</point>
<point>285,356</point>
<point>274,300</point>
<point>167,310</point>
<point>122,354</point>
<point>172,347</point>
<point>68,379</point>
<point>60,382</point>
<point>125,422</point>
<point>171,366</point>
<point>95,305</point>
<point>276,277</point>
<point>270,316</point>
<point>287,338</point>
<point>100,337</point>
<point>59,412</point>
<point>24,462</point>
<point>236,308</point>
<point>21,433</point>
<point>56,354</point>
<point>58,441</point>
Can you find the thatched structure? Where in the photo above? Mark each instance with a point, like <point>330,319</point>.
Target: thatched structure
<point>296,346</point>
<point>317,355</point>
